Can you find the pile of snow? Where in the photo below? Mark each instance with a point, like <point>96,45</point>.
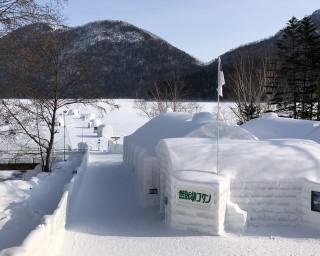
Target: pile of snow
<point>39,241</point>
<point>8,175</point>
<point>23,203</point>
<point>270,126</point>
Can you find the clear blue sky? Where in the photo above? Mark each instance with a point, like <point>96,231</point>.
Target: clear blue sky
<point>202,28</point>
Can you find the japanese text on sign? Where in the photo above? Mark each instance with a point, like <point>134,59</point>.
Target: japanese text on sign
<point>193,196</point>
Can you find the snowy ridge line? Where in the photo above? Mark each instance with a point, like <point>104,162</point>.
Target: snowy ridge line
<point>39,242</point>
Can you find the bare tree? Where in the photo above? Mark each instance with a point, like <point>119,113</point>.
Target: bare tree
<point>48,76</point>
<point>166,95</point>
<point>17,13</point>
<point>247,84</point>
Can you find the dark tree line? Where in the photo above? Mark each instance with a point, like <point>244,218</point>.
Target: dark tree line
<point>294,74</point>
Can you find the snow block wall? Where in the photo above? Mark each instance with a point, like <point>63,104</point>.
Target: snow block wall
<point>148,181</point>
<point>146,172</point>
<point>269,202</point>
<point>284,202</point>
<point>114,148</point>
<point>196,206</point>
<point>39,241</point>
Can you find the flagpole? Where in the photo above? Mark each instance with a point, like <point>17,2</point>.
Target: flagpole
<point>218,115</point>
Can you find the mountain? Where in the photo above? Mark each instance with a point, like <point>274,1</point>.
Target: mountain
<point>208,74</point>
<point>123,59</point>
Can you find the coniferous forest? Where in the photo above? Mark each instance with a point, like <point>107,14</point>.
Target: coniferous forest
<point>294,71</point>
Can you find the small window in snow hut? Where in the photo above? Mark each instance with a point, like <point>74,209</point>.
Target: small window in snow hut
<point>153,191</point>
<point>315,201</point>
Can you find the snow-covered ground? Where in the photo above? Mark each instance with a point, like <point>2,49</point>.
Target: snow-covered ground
<point>8,175</point>
<point>106,218</point>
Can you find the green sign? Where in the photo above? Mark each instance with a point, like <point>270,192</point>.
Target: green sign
<point>194,197</point>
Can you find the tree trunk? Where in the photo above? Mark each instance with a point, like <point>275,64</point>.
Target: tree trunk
<point>47,167</point>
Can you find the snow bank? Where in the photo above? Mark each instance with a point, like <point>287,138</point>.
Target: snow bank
<point>40,241</point>
<point>269,126</point>
<point>139,148</point>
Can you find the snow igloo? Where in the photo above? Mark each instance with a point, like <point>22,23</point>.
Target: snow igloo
<point>60,121</point>
<point>105,131</point>
<point>74,112</point>
<point>96,123</point>
<point>140,147</point>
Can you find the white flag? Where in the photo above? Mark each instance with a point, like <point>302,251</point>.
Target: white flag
<point>221,81</point>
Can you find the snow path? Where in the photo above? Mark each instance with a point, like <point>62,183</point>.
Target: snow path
<point>107,220</point>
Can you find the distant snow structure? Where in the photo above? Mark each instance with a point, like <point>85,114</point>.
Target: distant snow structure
<point>139,147</point>
<point>91,116</point>
<point>60,121</point>
<point>84,116</point>
<point>96,123</point>
<point>82,146</point>
<point>74,113</point>
<point>105,131</point>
